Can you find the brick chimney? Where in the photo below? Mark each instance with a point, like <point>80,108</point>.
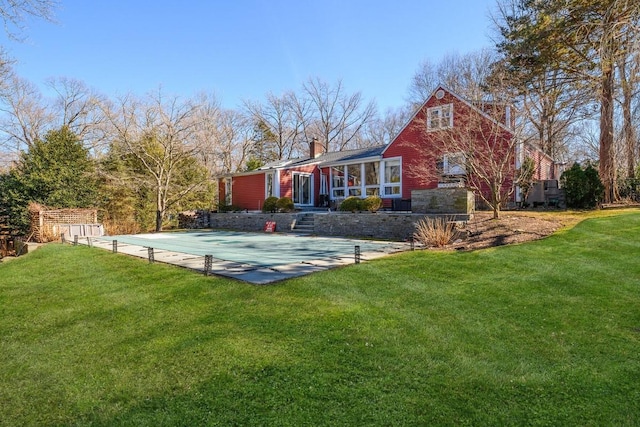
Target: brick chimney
<point>316,148</point>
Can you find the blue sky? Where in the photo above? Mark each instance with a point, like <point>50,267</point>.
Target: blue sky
<point>243,49</point>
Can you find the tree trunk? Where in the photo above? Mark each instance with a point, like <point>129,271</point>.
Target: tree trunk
<point>495,189</point>
<point>630,139</point>
<point>607,167</point>
<point>627,114</point>
<point>158,220</point>
<point>159,208</point>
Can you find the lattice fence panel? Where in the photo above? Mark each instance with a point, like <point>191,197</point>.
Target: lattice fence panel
<point>45,224</point>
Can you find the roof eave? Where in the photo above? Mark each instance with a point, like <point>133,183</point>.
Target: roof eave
<point>350,161</point>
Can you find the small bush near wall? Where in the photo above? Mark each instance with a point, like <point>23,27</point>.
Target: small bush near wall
<point>270,204</point>
<point>222,207</point>
<point>285,204</point>
<point>372,203</point>
<point>351,204</point>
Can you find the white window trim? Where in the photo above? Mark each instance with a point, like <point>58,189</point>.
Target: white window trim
<point>383,179</point>
<point>439,109</point>
<point>276,183</point>
<point>228,191</point>
<point>311,187</point>
<point>363,187</point>
<point>266,184</point>
<point>447,169</point>
<point>359,187</point>
<point>332,189</point>
<point>363,173</point>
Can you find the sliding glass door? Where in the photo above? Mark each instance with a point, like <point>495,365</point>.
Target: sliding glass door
<point>303,189</point>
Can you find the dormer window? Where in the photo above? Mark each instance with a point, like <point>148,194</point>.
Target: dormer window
<point>440,117</point>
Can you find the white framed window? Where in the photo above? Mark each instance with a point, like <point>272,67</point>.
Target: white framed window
<point>454,164</point>
<point>391,178</point>
<point>269,187</point>
<point>371,178</point>
<point>228,191</point>
<point>337,182</point>
<point>354,179</point>
<point>440,117</point>
<point>378,178</point>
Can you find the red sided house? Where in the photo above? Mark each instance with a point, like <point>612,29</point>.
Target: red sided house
<point>432,150</point>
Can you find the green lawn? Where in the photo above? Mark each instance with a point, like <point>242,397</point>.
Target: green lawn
<point>545,333</point>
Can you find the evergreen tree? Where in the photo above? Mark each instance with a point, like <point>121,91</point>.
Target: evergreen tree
<point>56,172</point>
<point>582,38</point>
<point>583,188</point>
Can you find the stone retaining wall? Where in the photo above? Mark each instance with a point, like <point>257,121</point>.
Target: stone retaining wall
<point>251,221</point>
<point>443,201</point>
<point>380,225</point>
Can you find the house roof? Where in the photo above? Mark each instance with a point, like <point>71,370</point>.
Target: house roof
<point>323,160</point>
<point>348,155</point>
<point>326,159</point>
<point>278,164</point>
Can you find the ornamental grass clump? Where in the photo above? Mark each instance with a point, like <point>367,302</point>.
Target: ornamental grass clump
<point>436,232</point>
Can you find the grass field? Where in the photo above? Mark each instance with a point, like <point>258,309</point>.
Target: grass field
<point>544,333</point>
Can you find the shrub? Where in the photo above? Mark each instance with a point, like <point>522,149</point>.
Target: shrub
<point>351,204</point>
<point>223,207</point>
<point>436,232</point>
<point>525,178</point>
<point>270,204</point>
<point>582,187</point>
<point>629,189</point>
<point>284,204</point>
<point>372,203</point>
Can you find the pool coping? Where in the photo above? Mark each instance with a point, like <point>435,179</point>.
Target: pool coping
<point>245,272</point>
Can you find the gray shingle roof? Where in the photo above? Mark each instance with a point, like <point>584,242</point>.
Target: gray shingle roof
<point>328,158</point>
<point>348,155</point>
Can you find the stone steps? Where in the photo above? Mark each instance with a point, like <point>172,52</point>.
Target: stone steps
<point>305,223</point>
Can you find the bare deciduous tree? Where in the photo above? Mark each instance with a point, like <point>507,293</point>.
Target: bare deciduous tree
<point>160,135</point>
<point>336,118</point>
<point>79,108</point>
<point>207,131</point>
<point>14,13</point>
<point>382,130</point>
<point>234,140</point>
<point>280,117</point>
<point>26,116</point>
<point>463,74</point>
